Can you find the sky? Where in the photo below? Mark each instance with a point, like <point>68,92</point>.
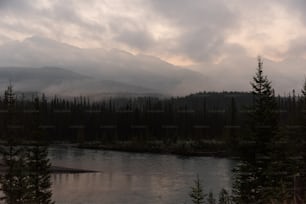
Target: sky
<point>219,38</point>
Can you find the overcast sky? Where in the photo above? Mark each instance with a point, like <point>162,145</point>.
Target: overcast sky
<point>211,36</point>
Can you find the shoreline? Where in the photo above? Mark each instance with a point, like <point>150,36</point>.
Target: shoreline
<point>60,170</point>
<point>66,170</point>
<point>159,150</point>
<point>205,149</point>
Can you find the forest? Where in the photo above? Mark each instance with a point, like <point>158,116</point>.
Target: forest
<point>205,123</point>
<point>264,132</point>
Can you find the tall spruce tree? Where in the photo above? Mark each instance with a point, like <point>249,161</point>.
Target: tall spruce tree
<point>224,197</point>
<point>39,182</point>
<point>197,195</point>
<point>211,199</point>
<point>264,118</point>
<point>38,165</point>
<point>14,180</point>
<point>303,125</point>
<point>301,179</point>
<point>252,180</point>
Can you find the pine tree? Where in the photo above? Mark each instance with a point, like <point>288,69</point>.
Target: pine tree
<point>197,195</point>
<point>27,178</point>
<point>39,182</point>
<point>9,98</point>
<point>264,117</point>
<point>211,199</point>
<point>14,181</point>
<point>251,176</point>
<point>303,123</point>
<point>38,166</point>
<point>301,180</point>
<point>224,197</point>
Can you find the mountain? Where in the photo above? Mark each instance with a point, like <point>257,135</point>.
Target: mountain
<point>53,80</point>
<point>115,67</point>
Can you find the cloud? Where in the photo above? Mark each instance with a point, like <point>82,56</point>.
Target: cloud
<point>203,25</point>
<point>130,33</point>
<point>268,28</point>
<point>16,5</point>
<point>210,36</point>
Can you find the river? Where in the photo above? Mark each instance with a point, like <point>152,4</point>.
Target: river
<point>134,178</point>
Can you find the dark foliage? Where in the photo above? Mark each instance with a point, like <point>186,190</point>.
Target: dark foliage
<point>27,177</point>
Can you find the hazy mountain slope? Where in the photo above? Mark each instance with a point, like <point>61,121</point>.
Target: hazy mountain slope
<point>112,65</point>
<point>52,80</point>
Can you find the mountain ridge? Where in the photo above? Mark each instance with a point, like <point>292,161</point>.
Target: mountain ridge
<point>144,71</point>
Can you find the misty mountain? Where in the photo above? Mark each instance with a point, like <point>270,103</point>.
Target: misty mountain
<point>117,67</point>
<point>53,80</point>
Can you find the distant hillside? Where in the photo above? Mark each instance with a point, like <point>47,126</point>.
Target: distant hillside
<point>132,71</point>
<point>53,80</point>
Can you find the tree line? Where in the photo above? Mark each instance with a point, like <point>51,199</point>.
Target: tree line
<point>267,133</point>
<point>204,116</point>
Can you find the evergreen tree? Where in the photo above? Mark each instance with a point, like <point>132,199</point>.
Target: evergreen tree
<point>211,199</point>
<point>252,179</point>
<point>39,182</point>
<point>303,124</point>
<point>264,118</point>
<point>302,148</point>
<point>38,166</point>
<point>197,195</point>
<point>14,181</point>
<point>224,197</point>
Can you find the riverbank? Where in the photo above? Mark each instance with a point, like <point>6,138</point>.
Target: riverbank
<point>65,170</point>
<point>58,170</point>
<point>209,148</point>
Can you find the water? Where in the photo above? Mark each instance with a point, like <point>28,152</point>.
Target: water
<point>132,178</point>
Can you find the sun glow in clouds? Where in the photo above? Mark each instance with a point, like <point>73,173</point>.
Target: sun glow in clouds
<point>269,34</point>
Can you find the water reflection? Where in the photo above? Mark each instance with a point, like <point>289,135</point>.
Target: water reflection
<point>133,178</point>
